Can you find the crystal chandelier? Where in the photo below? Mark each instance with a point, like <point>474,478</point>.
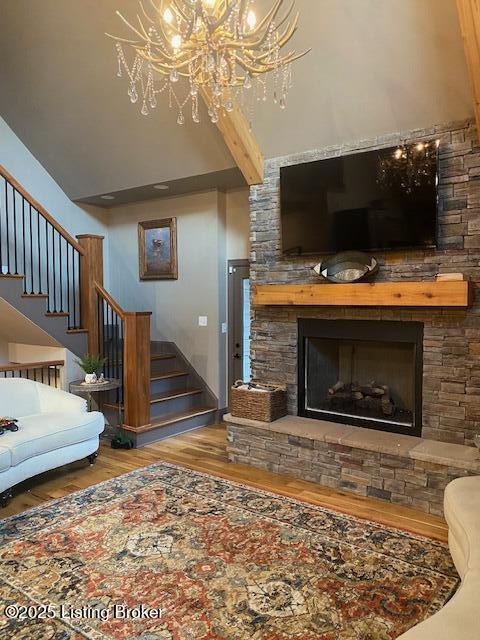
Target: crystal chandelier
<point>218,48</point>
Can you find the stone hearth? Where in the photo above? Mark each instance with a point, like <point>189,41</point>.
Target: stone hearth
<point>396,468</point>
<point>451,343</point>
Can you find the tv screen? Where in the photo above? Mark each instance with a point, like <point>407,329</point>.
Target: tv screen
<point>371,201</point>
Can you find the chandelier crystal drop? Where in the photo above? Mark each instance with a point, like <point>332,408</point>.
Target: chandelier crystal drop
<point>219,48</point>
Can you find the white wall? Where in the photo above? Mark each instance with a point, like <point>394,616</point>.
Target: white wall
<point>24,167</point>
<point>33,353</point>
<point>3,350</point>
<point>200,288</point>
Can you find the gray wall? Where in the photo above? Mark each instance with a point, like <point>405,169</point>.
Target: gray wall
<point>201,286</point>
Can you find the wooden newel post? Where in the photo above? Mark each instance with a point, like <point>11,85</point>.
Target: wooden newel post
<point>136,352</point>
<point>91,271</point>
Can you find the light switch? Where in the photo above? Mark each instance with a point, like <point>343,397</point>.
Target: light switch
<point>224,327</point>
<point>202,321</point>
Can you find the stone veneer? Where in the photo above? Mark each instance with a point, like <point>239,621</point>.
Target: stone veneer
<point>451,384</point>
<point>401,469</point>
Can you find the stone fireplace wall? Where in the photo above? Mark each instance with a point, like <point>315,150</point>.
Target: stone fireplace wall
<point>451,384</point>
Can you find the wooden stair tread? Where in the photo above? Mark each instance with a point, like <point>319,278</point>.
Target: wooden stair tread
<point>11,275</point>
<point>77,331</point>
<point>35,295</point>
<point>168,375</point>
<point>57,314</point>
<point>172,418</point>
<point>176,393</point>
<point>162,356</point>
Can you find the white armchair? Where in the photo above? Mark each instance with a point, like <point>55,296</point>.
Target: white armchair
<point>54,429</point>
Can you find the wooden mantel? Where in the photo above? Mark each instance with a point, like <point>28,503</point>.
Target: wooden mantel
<point>377,294</point>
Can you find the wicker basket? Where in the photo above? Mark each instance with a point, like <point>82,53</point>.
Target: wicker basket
<point>266,406</point>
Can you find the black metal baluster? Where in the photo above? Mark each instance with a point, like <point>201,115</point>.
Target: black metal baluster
<point>7,221</point>
<point>54,273</point>
<point>31,251</point>
<point>74,295</point>
<point>1,238</point>
<point>61,271</point>
<point>15,231</point>
<point>79,290</point>
<point>47,251</point>
<point>24,248</point>
<point>68,286</point>
<point>38,255</point>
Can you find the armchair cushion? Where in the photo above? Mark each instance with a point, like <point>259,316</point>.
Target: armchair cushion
<point>5,459</point>
<point>46,432</point>
<point>20,397</point>
<point>53,400</point>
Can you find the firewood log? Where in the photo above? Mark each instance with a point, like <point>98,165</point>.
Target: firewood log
<point>338,386</point>
<point>375,392</point>
<point>388,407</point>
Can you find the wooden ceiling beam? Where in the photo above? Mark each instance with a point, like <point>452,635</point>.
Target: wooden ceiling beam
<point>469,14</point>
<point>240,140</point>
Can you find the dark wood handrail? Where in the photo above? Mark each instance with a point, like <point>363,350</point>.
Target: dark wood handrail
<point>41,210</point>
<point>23,366</point>
<point>103,293</point>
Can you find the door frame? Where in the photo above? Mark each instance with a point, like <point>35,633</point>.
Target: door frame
<point>232,264</point>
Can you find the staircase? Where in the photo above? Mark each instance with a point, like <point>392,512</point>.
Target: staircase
<point>179,398</point>
<point>57,282</point>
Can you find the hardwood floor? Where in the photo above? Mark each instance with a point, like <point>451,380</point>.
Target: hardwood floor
<point>205,450</point>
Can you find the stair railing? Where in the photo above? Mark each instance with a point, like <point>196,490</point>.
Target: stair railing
<point>44,372</point>
<point>124,340</point>
<point>34,245</point>
<point>68,272</point>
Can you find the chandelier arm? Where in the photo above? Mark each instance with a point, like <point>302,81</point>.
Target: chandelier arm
<point>288,33</point>
<point>212,27</point>
<point>180,10</point>
<point>145,13</point>
<point>293,56</point>
<point>286,16</point>
<point>155,7</point>
<point>166,71</point>
<point>268,19</point>
<point>190,28</point>
<point>172,63</point>
<point>258,43</point>
<point>130,25</point>
<point>242,10</point>
<point>160,60</point>
<point>145,34</point>
<point>250,67</point>
<point>125,40</point>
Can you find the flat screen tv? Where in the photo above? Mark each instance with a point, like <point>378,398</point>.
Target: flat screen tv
<point>370,201</point>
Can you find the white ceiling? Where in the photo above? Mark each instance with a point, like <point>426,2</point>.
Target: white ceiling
<point>376,66</point>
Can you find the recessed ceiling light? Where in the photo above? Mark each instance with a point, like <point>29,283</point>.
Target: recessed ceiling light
<point>161,187</point>
<point>107,197</point>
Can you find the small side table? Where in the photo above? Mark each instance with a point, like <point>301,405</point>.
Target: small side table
<point>79,388</point>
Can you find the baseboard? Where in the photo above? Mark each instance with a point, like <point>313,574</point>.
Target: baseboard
<point>220,413</point>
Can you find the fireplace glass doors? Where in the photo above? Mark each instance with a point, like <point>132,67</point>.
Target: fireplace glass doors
<point>364,373</point>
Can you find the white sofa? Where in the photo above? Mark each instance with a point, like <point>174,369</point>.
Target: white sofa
<point>54,429</point>
<point>460,617</point>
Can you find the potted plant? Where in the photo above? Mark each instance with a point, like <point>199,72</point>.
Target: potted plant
<point>92,365</point>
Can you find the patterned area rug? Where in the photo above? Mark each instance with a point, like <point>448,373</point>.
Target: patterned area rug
<point>210,560</point>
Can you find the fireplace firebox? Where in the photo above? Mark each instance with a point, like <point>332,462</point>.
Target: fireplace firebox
<point>362,372</point>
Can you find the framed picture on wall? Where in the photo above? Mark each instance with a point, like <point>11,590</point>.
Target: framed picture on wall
<point>158,249</point>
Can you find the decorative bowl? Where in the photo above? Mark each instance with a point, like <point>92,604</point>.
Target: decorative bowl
<point>347,267</point>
